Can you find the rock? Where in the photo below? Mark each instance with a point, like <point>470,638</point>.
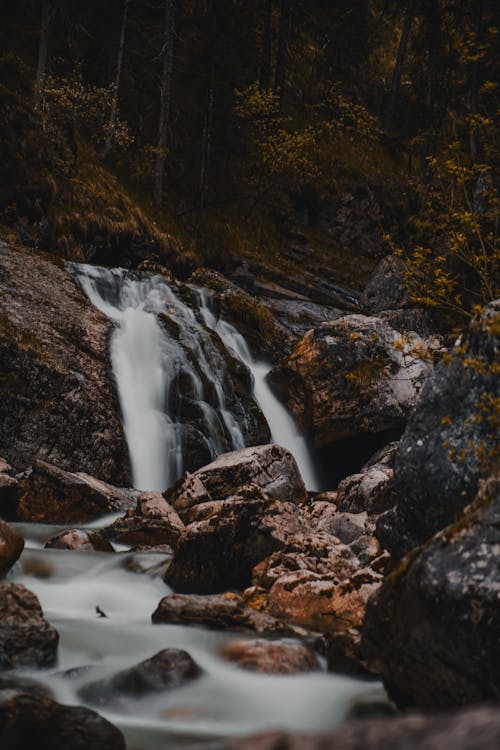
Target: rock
<point>168,669</point>
<point>57,398</point>
<point>299,316</point>
<point>26,638</point>
<point>219,611</point>
<point>8,491</point>
<point>154,522</point>
<point>80,541</point>
<point>351,377</point>
<point>476,728</point>
<point>271,657</point>
<point>369,489</point>
<point>386,288</point>
<point>270,467</point>
<point>218,552</point>
<point>432,630</point>
<point>50,495</point>
<point>450,441</point>
<point>11,546</point>
<point>28,720</point>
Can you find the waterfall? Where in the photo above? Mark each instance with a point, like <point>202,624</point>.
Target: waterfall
<point>282,425</point>
<point>172,377</point>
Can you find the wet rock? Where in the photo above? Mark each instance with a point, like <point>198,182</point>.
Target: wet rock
<point>353,376</point>
<point>80,541</point>
<point>432,630</point>
<point>369,490</point>
<point>476,728</point>
<point>11,546</point>
<point>168,669</point>
<point>57,398</point>
<point>218,552</point>
<point>26,638</point>
<point>386,288</point>
<point>28,720</point>
<point>450,440</point>
<point>271,657</point>
<point>50,495</point>
<point>226,611</point>
<point>270,467</point>
<point>9,681</point>
<point>153,522</point>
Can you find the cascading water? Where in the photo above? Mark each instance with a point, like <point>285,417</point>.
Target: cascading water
<point>283,428</point>
<point>151,366</point>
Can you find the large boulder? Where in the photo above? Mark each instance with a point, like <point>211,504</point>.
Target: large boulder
<point>33,720</point>
<point>50,495</point>
<point>270,467</point>
<point>153,522</point>
<point>11,546</point>
<point>26,638</point>
<point>271,657</point>
<point>352,376</point>
<point>476,728</point>
<point>450,441</point>
<point>432,631</point>
<point>386,289</point>
<point>369,489</point>
<point>57,398</point>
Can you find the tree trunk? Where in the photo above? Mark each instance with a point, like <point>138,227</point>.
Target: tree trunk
<point>474,80</point>
<point>108,144</point>
<point>282,58</point>
<point>43,51</point>
<point>398,66</point>
<point>265,68</point>
<point>206,150</point>
<point>165,89</point>
<point>433,18</point>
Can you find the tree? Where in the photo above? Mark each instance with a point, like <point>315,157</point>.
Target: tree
<point>165,95</point>
<point>43,50</point>
<point>265,66</point>
<point>108,145</point>
<point>399,63</point>
<point>282,56</point>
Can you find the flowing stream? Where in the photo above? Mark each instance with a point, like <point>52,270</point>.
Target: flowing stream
<point>150,366</point>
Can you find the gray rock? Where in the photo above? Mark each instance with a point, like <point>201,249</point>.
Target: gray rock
<point>386,288</point>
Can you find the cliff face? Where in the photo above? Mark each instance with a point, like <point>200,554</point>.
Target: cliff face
<point>57,398</point>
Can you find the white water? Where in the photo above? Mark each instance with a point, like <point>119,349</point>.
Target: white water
<point>282,425</point>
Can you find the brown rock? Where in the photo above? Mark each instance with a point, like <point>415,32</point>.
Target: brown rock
<point>57,398</point>
<point>271,657</point>
<point>33,720</point>
<point>8,490</point>
<point>154,522</point>
<point>50,495</point>
<point>11,546</point>
<point>369,490</point>
<point>80,541</point>
<point>270,467</point>
<point>26,638</point>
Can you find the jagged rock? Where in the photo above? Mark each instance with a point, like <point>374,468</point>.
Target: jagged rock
<point>351,377</point>
<point>34,720</point>
<point>218,552</point>
<point>225,611</point>
<point>450,440</point>
<point>271,657</point>
<point>432,630</point>
<point>57,398</point>
<point>26,638</point>
<point>476,728</point>
<point>386,288</point>
<point>369,489</point>
<point>11,546</point>
<point>168,669</point>
<point>80,541</point>
<point>153,522</point>
<point>50,495</point>
<point>270,467</point>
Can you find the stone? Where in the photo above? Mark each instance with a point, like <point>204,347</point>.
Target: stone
<point>226,611</point>
<point>368,490</point>
<point>450,441</point>
<point>352,377</point>
<point>11,546</point>
<point>386,288</point>
<point>218,552</point>
<point>432,629</point>
<point>8,491</point>
<point>153,522</point>
<point>476,728</point>
<point>270,657</point>
<point>49,494</point>
<point>26,638</point>
<point>80,540</point>
<point>34,720</point>
<point>58,401</point>
<point>166,670</point>
<point>270,467</point>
